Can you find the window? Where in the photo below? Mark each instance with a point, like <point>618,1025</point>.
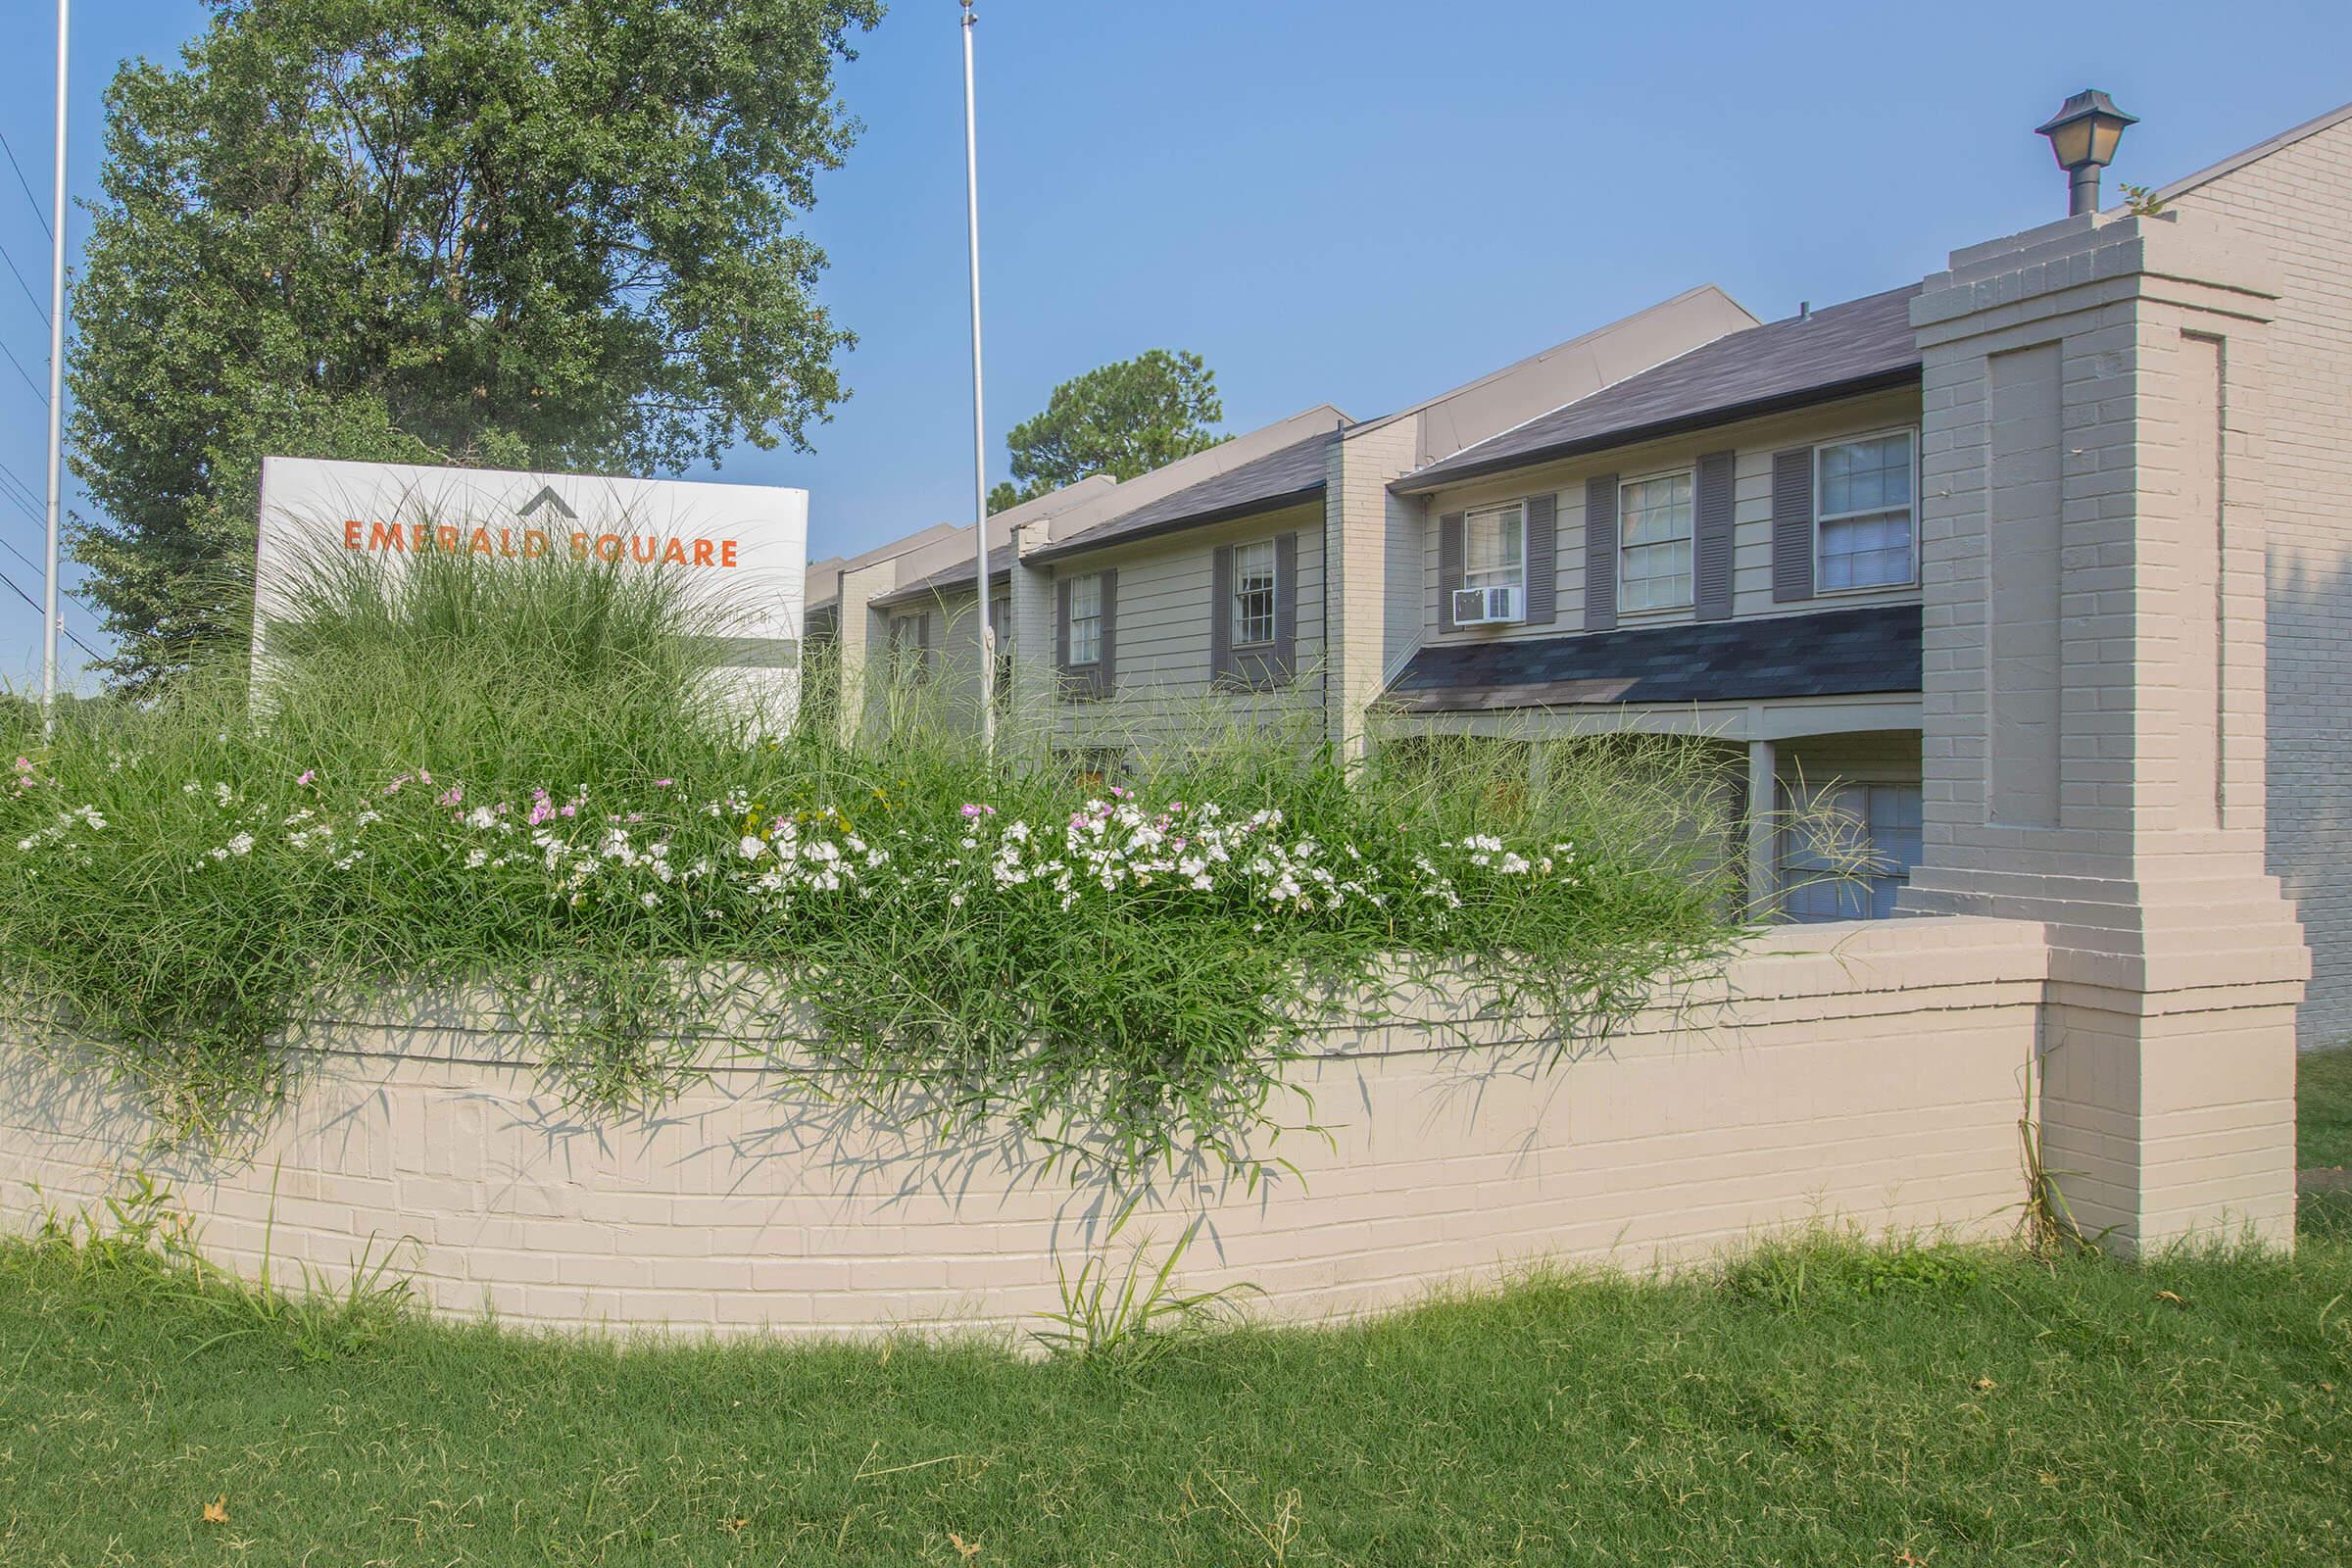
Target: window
<point>1852,854</point>
<point>1254,594</point>
<point>999,622</point>
<point>908,653</point>
<point>1495,547</point>
<point>1866,530</point>
<point>1086,619</point>
<point>1655,543</point>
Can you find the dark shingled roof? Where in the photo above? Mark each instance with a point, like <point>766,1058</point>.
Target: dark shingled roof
<point>1281,479</point>
<point>1859,346</point>
<point>1834,652</point>
<point>948,580</point>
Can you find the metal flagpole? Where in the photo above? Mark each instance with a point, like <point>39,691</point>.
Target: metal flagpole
<point>971,202</point>
<point>57,391</point>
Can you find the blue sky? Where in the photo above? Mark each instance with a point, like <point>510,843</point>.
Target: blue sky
<point>1359,202</point>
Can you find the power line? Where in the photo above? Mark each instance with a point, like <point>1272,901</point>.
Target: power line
<point>36,609</point>
<point>26,287</point>
<point>26,374</point>
<point>39,217</point>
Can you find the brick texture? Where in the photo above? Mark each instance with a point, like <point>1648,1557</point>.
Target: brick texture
<point>1870,1072</point>
<point>2299,200</point>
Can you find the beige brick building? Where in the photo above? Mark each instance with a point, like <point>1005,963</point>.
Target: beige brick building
<point>1686,521</point>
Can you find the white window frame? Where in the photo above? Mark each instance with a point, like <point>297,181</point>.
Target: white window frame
<point>1094,654</point>
<point>905,637</point>
<point>1513,575</point>
<point>1822,516</point>
<point>1237,611</point>
<point>1625,545</point>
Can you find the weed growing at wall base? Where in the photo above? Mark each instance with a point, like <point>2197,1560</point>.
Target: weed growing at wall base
<point>513,778</point>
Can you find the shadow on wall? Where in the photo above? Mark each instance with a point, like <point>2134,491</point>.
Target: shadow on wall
<point>2309,815</point>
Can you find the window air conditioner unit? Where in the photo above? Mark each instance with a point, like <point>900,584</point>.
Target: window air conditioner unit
<point>1486,606</point>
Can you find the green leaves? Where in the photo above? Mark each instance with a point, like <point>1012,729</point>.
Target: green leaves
<point>1123,419</point>
<point>481,231</point>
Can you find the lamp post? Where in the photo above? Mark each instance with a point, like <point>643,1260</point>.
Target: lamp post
<point>971,202</point>
<point>2082,135</point>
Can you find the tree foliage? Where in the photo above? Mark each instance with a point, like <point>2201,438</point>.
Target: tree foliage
<point>518,232</point>
<point>1123,419</point>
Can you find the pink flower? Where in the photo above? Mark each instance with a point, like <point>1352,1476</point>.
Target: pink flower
<point>308,775</point>
<point>393,788</point>
<point>453,796</point>
<point>663,783</point>
<point>970,810</point>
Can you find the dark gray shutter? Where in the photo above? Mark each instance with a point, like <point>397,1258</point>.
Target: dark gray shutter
<point>1450,566</point>
<point>1543,560</point>
<point>922,638</point>
<point>1107,664</point>
<point>1061,638</point>
<point>1220,617</point>
<point>1283,661</point>
<point>1791,525</point>
<point>1711,542</point>
<point>1600,552</point>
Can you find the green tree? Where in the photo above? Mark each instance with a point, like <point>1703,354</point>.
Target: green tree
<point>551,233</point>
<point>1123,419</point>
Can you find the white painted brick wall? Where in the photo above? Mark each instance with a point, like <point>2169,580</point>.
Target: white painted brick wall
<point>1870,1072</point>
<point>2299,200</point>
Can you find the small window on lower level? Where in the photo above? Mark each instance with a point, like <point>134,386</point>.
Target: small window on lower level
<point>1847,849</point>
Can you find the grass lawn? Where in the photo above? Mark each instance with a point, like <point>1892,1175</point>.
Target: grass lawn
<point>1821,1405</point>
<point>2324,1124</point>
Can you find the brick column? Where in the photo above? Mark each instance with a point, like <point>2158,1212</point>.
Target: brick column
<point>2091,532</point>
<point>1372,548</point>
<point>860,640</point>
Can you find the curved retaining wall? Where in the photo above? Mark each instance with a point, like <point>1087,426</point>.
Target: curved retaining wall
<point>1870,1073</point>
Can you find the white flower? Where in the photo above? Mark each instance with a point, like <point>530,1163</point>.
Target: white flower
<point>242,843</point>
<point>649,900</point>
<point>749,848</point>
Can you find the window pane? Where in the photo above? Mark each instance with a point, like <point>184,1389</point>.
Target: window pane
<point>1494,547</point>
<point>1086,619</point>
<point>1866,476</point>
<point>1870,550</point>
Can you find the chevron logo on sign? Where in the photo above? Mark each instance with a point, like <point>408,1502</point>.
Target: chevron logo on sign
<point>545,497</point>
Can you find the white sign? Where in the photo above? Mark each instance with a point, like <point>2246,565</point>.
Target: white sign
<point>743,549</point>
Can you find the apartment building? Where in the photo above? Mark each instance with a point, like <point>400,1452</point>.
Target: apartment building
<point>1693,522</point>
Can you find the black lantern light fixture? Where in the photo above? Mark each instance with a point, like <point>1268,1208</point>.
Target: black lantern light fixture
<point>2084,134</point>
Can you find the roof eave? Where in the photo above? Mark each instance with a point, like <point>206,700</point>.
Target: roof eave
<point>1704,419</point>
<point>1196,519</point>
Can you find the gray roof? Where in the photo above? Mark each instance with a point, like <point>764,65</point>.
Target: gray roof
<point>1845,349</point>
<point>948,580</point>
<point>1834,652</point>
<point>1281,479</point>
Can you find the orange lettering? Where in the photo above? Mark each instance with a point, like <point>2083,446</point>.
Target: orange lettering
<point>479,544</point>
<point>351,534</point>
<point>673,554</point>
<point>726,552</point>
<point>417,534</point>
<point>608,547</point>
<point>534,544</point>
<point>702,552</point>
<point>506,545</point>
<point>642,548</point>
<point>579,547</point>
<point>384,536</point>
<point>446,537</point>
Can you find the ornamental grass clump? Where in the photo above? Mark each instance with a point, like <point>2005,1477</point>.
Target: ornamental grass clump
<point>513,778</point>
